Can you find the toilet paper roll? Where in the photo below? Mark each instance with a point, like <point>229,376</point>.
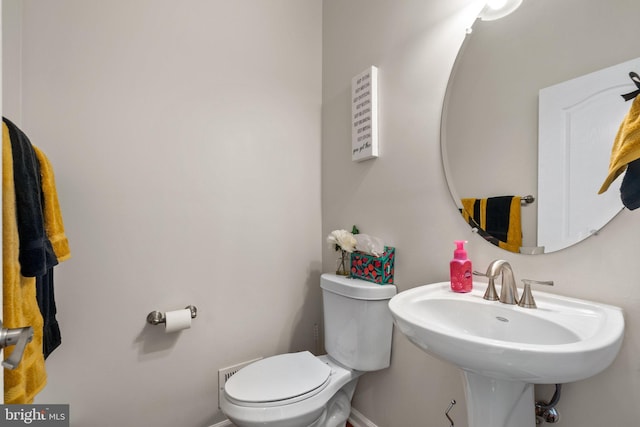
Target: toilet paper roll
<point>177,320</point>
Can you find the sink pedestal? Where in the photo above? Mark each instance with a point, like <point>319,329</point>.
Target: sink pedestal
<point>498,403</point>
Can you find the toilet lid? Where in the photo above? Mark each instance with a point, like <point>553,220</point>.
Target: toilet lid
<point>280,377</point>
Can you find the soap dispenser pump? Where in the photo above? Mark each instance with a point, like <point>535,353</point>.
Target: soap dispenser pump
<point>460,269</point>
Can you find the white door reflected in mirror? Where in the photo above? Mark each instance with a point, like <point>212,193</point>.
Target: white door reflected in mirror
<point>578,121</point>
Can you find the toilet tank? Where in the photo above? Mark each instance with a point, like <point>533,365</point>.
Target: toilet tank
<point>357,322</point>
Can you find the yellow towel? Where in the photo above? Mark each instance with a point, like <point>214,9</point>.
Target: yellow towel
<point>52,215</point>
<point>467,210</point>
<point>20,307</point>
<point>514,235</point>
<point>626,146</point>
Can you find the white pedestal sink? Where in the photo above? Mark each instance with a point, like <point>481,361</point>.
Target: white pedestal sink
<point>504,349</point>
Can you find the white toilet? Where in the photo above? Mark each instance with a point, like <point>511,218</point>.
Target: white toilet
<point>302,390</point>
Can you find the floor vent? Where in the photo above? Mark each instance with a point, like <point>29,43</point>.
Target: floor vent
<point>225,373</point>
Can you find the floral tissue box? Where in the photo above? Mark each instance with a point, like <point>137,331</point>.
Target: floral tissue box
<point>374,269</point>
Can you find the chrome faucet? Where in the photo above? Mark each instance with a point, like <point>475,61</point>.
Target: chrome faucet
<point>508,291</point>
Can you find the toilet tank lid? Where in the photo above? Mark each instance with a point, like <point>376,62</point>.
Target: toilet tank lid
<point>356,288</point>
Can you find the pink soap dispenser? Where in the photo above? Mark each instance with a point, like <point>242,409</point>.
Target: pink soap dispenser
<point>460,268</point>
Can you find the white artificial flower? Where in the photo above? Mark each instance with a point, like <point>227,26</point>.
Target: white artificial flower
<point>343,239</point>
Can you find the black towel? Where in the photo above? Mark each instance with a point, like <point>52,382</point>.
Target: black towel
<point>36,256</point>
<point>36,253</point>
<point>498,209</point>
<point>630,187</point>
<point>497,216</point>
<point>51,337</point>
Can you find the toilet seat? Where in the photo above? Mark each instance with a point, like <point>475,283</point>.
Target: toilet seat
<point>278,380</point>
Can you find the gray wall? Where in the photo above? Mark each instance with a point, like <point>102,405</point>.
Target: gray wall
<point>402,197</point>
<point>185,137</point>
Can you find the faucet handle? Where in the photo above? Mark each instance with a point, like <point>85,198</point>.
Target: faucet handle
<point>490,294</point>
<point>527,300</point>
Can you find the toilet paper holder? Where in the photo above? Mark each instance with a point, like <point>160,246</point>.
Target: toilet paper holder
<point>157,317</point>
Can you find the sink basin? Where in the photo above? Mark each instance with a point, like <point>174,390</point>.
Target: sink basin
<point>490,322</point>
<point>504,349</point>
<point>563,340</point>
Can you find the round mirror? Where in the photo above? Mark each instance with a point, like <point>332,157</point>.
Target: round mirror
<point>532,109</point>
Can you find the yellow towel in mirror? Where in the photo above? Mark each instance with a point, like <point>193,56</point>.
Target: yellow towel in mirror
<point>498,219</point>
<point>626,146</point>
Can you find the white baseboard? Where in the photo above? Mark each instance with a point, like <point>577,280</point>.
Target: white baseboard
<point>355,418</point>
<point>358,420</point>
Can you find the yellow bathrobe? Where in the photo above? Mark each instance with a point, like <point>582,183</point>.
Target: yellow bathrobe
<point>20,307</point>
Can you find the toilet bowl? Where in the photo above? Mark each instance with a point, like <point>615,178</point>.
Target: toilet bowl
<point>257,397</point>
<point>303,390</point>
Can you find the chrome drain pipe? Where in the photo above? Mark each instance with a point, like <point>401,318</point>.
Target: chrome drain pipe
<point>546,412</point>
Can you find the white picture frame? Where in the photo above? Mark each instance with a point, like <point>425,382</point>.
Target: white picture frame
<point>364,115</point>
